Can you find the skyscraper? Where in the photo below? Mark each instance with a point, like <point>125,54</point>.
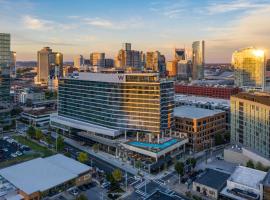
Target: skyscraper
<point>179,54</point>
<point>249,67</point>
<point>154,61</point>
<point>50,65</point>
<point>129,58</point>
<point>13,64</point>
<point>198,62</point>
<point>97,59</point>
<point>78,61</point>
<point>4,79</point>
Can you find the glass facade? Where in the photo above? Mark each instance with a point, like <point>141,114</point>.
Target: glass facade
<point>198,60</point>
<point>138,103</point>
<point>249,67</point>
<point>4,78</point>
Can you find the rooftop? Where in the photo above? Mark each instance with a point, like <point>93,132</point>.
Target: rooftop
<point>191,99</point>
<point>41,174</point>
<point>213,178</point>
<point>258,97</point>
<point>248,177</point>
<point>193,112</point>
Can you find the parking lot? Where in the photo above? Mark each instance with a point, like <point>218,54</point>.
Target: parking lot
<point>10,149</point>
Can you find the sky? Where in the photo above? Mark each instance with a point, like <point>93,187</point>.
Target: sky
<point>76,27</point>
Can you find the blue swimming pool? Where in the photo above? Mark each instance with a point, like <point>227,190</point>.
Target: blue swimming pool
<point>152,145</point>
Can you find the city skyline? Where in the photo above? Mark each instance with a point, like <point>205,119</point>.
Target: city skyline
<point>152,25</point>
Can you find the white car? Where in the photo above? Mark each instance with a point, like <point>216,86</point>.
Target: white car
<point>6,137</point>
<point>18,153</point>
<point>14,155</point>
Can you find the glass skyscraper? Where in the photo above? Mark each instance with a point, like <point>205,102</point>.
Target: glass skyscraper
<point>198,61</point>
<point>139,102</point>
<point>4,79</point>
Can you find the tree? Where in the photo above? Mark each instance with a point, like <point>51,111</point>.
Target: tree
<point>117,175</point>
<point>38,134</point>
<point>193,162</point>
<point>48,139</point>
<point>83,157</point>
<point>95,148</point>
<point>67,154</point>
<point>179,168</point>
<point>138,164</point>
<point>82,197</point>
<point>259,166</point>
<point>31,132</point>
<point>250,164</point>
<point>218,139</point>
<point>60,143</point>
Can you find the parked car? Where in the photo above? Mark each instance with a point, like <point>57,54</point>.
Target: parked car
<point>18,153</point>
<point>105,185</point>
<point>74,191</point>
<point>14,155</point>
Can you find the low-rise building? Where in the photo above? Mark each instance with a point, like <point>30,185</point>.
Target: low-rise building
<point>38,117</point>
<point>244,183</point>
<point>210,183</point>
<point>201,125</point>
<point>42,177</point>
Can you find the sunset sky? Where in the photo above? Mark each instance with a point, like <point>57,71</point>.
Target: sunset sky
<point>84,26</point>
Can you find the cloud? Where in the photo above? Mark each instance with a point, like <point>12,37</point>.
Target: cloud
<point>235,5</point>
<point>131,23</point>
<point>36,24</point>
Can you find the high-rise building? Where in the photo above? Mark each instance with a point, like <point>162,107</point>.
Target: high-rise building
<point>97,59</point>
<point>129,58</point>
<point>13,64</point>
<point>249,67</point>
<point>267,76</point>
<point>78,61</point>
<point>250,119</point>
<point>179,54</point>
<point>154,61</point>
<point>198,62</point>
<point>5,100</point>
<point>50,65</point>
<point>109,63</point>
<point>171,68</point>
<point>109,102</point>
<point>184,68</point>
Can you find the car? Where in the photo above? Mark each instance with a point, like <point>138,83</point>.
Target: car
<point>5,150</point>
<point>105,185</point>
<point>74,191</point>
<point>220,157</point>
<point>14,155</point>
<point>18,153</point>
<point>6,138</point>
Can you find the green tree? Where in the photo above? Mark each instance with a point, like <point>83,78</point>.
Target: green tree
<point>83,157</point>
<point>193,162</point>
<point>31,131</point>
<point>179,168</point>
<point>259,166</point>
<point>38,134</point>
<point>82,197</point>
<point>48,139</point>
<point>117,175</point>
<point>250,164</point>
<point>96,148</point>
<point>218,139</point>
<point>60,143</point>
<point>138,164</point>
<point>67,154</point>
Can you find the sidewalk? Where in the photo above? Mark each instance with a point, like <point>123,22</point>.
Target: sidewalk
<point>109,159</point>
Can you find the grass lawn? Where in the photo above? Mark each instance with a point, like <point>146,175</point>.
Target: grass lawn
<point>43,151</point>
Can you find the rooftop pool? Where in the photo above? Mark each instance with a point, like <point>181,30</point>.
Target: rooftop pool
<point>154,145</point>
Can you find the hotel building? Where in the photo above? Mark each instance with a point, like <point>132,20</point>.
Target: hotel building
<point>140,102</point>
<point>249,68</point>
<point>250,121</point>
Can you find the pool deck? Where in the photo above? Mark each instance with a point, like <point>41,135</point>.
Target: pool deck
<point>152,152</point>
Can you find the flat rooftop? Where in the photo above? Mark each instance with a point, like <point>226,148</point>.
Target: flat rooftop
<point>202,100</point>
<point>213,178</point>
<point>193,112</point>
<point>248,177</point>
<point>118,77</point>
<point>41,174</point>
<point>258,97</point>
